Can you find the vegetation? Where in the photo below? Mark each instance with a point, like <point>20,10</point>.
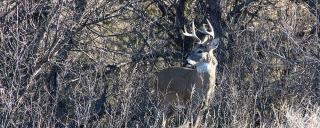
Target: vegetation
<point>89,63</point>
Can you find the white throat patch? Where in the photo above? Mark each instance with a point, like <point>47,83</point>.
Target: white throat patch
<point>192,62</point>
<point>204,67</point>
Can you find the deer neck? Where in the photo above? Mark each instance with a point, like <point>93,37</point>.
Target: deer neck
<point>207,72</point>
<point>208,78</point>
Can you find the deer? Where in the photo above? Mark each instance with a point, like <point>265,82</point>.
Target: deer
<point>180,86</point>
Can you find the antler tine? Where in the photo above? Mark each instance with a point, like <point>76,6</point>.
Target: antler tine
<point>210,32</point>
<point>192,34</point>
<point>211,29</point>
<point>185,33</point>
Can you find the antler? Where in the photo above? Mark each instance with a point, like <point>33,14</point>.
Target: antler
<point>213,44</point>
<point>192,34</point>
<point>210,32</point>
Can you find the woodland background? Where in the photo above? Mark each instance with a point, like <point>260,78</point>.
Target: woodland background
<point>88,63</point>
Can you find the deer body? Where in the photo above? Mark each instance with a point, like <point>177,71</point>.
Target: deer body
<point>176,84</point>
<point>179,85</point>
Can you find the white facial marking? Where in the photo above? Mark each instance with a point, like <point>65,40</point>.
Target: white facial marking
<point>192,62</point>
<point>204,67</point>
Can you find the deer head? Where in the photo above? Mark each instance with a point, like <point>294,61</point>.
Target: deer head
<point>202,55</point>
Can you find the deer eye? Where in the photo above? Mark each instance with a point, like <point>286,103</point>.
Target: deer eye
<point>199,51</point>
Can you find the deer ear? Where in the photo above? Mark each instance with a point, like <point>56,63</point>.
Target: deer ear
<point>214,44</point>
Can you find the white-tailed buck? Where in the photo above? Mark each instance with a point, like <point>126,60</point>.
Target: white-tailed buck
<point>179,86</point>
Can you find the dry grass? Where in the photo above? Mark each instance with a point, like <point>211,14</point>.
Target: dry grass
<point>270,76</point>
